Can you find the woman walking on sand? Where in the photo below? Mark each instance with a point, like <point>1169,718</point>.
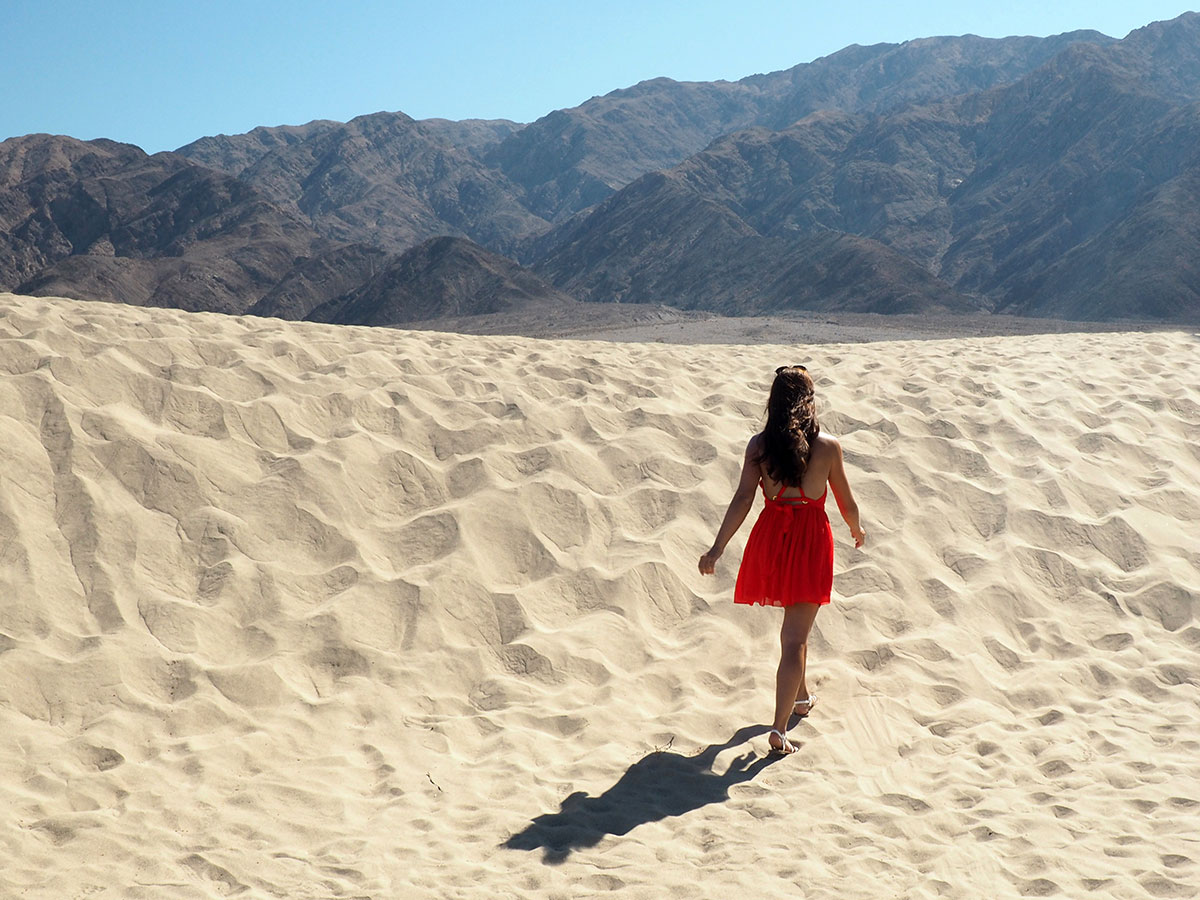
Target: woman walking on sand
<point>788,560</point>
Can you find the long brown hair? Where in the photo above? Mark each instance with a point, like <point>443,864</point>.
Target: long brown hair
<point>792,427</point>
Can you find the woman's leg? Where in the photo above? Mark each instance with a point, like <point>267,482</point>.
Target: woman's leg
<point>793,653</point>
<point>802,691</point>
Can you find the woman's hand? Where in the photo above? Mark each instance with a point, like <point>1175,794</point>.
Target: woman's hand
<point>708,562</point>
<point>859,536</point>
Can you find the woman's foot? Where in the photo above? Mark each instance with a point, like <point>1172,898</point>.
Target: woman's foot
<point>803,707</point>
<point>784,747</point>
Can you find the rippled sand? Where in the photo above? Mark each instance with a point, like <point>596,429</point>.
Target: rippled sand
<point>291,610</point>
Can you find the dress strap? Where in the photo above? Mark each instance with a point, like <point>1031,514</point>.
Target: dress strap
<point>779,498</point>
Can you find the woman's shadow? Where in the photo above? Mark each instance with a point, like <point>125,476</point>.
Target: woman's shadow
<point>655,787</point>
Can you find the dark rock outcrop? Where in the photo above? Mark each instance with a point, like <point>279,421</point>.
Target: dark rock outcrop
<point>442,277</point>
<point>104,221</point>
<point>319,279</point>
<point>659,240</point>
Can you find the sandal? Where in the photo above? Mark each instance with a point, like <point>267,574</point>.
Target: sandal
<point>808,702</point>
<point>785,748</point>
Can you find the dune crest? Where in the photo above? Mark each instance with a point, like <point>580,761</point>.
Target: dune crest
<point>312,611</point>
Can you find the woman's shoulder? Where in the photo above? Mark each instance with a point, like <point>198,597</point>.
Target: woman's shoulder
<point>826,440</point>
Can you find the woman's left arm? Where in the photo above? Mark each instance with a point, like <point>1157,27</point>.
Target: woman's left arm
<point>739,507</point>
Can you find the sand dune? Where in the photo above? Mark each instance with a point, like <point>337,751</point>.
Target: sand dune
<point>301,611</point>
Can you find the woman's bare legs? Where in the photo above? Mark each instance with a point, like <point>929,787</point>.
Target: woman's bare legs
<point>793,654</point>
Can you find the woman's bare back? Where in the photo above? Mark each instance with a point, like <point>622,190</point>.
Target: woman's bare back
<point>821,465</point>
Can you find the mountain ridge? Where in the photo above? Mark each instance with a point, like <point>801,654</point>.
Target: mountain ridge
<point>984,190</point>
<point>1038,176</point>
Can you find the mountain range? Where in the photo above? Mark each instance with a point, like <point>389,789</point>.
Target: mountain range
<point>1038,176</point>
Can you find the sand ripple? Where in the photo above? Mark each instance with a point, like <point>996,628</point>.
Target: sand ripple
<point>295,610</point>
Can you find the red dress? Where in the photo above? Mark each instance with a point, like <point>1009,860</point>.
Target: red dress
<point>789,554</point>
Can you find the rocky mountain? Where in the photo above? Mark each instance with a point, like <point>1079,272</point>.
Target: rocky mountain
<point>105,221</point>
<point>1029,197</point>
<point>319,279</point>
<point>574,158</point>
<point>384,179</point>
<point>661,238</point>
<point>1039,176</point>
<point>442,277</point>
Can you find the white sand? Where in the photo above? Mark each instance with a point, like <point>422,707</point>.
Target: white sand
<point>301,611</point>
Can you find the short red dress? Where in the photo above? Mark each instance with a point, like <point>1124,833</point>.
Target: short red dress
<point>789,554</point>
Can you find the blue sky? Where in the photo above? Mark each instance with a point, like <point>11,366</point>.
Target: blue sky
<point>160,74</point>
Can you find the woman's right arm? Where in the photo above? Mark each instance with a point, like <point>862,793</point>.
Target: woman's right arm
<point>842,494</point>
<point>739,507</point>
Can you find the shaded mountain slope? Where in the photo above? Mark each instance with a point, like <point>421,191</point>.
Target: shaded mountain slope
<point>885,77</point>
<point>233,154</point>
<point>444,276</point>
<point>105,221</point>
<point>572,159</point>
<point>320,278</point>
<point>384,179</point>
<point>660,241</point>
<point>46,209</point>
<point>1145,264</point>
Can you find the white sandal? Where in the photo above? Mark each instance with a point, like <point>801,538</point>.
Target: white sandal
<point>810,701</point>
<point>786,747</point>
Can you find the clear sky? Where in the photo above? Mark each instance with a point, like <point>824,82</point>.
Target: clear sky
<point>160,73</point>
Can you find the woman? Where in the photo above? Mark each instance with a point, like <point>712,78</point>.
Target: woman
<point>788,560</point>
